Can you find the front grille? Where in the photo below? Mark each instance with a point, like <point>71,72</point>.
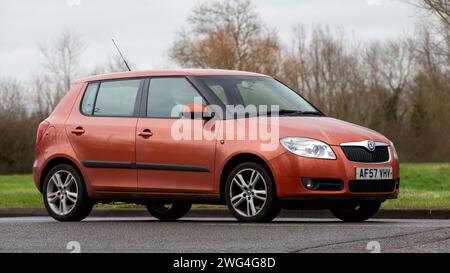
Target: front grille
<point>361,154</point>
<point>371,185</point>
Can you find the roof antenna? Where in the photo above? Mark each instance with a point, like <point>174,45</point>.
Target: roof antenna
<point>125,61</point>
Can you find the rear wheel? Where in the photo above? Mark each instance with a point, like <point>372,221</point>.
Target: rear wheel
<point>65,195</point>
<point>356,212</point>
<point>169,211</point>
<point>250,193</point>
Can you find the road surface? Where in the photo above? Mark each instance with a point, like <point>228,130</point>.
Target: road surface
<point>146,234</point>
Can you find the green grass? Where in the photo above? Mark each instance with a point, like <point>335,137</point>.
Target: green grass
<point>423,185</point>
<point>18,191</point>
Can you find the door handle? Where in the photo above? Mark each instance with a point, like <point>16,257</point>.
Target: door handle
<point>78,131</point>
<point>145,133</point>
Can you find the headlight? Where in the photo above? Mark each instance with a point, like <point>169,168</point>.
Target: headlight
<point>395,151</point>
<point>308,147</point>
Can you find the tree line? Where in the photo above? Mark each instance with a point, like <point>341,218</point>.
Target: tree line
<point>399,87</point>
<point>23,105</point>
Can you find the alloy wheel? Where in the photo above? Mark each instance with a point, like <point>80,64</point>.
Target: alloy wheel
<point>248,192</point>
<point>62,192</point>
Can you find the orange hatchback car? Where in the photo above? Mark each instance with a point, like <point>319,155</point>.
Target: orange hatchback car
<point>167,139</point>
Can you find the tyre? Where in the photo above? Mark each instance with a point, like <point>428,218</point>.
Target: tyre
<point>250,193</point>
<point>169,211</point>
<point>356,212</point>
<point>64,193</point>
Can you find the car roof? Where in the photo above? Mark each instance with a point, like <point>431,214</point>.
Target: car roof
<point>170,72</point>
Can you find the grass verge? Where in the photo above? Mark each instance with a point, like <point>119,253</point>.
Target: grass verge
<point>423,185</point>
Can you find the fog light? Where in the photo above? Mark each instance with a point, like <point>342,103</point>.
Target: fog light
<point>311,183</point>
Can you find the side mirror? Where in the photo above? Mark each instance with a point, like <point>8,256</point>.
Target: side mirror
<point>197,111</point>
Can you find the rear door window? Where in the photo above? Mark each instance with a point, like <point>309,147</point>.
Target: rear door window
<point>117,98</point>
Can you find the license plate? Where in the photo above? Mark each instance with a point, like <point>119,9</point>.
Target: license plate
<point>373,173</point>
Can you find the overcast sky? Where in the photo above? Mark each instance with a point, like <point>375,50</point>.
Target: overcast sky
<point>145,29</point>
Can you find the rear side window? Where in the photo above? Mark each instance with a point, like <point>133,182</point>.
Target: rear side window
<point>87,106</point>
<point>166,93</point>
<point>113,98</point>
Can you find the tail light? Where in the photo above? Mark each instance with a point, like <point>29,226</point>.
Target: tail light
<point>41,130</point>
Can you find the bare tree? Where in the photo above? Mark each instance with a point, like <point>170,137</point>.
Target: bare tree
<point>18,128</point>
<point>113,63</point>
<point>392,68</point>
<point>324,68</point>
<point>378,84</point>
<point>44,94</point>
<point>229,35</point>
<point>438,32</point>
<point>19,116</point>
<point>11,103</point>
<point>440,7</point>
<point>60,68</point>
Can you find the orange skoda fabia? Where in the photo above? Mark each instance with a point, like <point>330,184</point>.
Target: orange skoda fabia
<point>168,139</point>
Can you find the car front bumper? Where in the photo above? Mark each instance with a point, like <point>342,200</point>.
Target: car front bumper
<point>289,169</point>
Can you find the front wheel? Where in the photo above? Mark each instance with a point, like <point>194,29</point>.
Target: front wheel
<point>169,211</point>
<point>356,212</point>
<point>65,195</point>
<point>250,193</point>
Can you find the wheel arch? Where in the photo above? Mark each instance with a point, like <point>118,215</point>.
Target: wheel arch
<point>238,159</point>
<point>52,163</point>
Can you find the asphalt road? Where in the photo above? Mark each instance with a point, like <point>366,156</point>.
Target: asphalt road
<point>146,234</point>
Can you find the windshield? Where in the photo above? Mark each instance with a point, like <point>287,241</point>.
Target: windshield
<point>261,92</point>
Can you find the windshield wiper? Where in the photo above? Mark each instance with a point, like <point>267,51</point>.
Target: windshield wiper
<point>285,112</point>
<point>312,113</point>
<point>280,112</point>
